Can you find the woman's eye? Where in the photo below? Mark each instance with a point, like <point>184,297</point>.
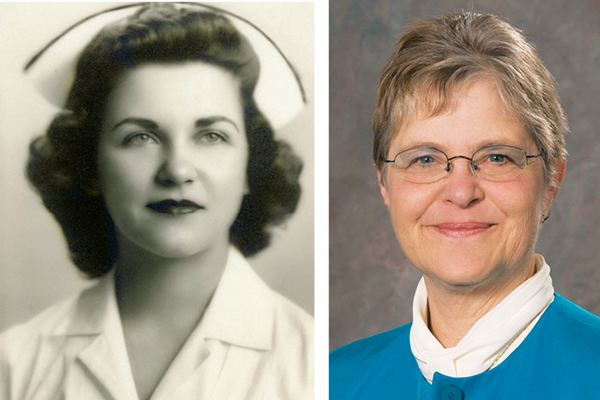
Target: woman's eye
<point>212,137</point>
<point>139,139</point>
<point>422,162</point>
<point>425,160</point>
<point>500,159</point>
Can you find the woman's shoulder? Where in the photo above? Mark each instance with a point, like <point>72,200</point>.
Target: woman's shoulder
<point>291,355</point>
<point>43,324</point>
<point>21,339</point>
<point>358,365</point>
<point>357,359</point>
<point>292,320</point>
<point>579,327</point>
<point>370,345</point>
<point>26,348</point>
<point>566,345</point>
<point>576,315</point>
<point>293,333</point>
<point>240,282</point>
<point>572,332</point>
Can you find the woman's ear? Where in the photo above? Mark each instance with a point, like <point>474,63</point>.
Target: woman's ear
<point>382,188</point>
<point>556,180</point>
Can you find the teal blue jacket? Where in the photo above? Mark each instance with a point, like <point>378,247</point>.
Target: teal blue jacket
<point>559,359</point>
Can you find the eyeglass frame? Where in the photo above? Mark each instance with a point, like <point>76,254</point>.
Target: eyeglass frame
<point>472,166</point>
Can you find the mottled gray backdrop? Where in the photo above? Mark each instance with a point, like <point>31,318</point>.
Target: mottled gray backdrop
<point>371,281</point>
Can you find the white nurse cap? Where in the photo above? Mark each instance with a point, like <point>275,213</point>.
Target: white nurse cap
<point>278,94</point>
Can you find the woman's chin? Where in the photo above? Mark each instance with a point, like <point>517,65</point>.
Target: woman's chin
<point>178,250</point>
<point>458,275</point>
<point>170,246</point>
<point>175,252</point>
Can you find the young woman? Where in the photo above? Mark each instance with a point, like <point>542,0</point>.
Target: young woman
<point>163,173</point>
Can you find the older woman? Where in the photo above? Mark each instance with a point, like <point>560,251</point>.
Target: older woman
<point>164,172</point>
<point>470,154</point>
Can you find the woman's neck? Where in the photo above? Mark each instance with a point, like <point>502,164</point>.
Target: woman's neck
<point>149,286</point>
<point>452,312</point>
<point>162,300</point>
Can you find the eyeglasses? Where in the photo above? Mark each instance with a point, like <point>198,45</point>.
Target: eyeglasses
<point>497,163</point>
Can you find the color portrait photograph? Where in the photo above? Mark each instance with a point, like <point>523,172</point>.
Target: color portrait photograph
<point>464,199</point>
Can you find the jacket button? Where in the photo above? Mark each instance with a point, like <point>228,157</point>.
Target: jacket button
<point>451,392</point>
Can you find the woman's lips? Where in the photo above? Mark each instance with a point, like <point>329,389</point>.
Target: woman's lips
<point>462,229</point>
<point>175,207</point>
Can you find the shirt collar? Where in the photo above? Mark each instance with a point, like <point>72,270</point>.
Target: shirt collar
<point>479,348</point>
<point>240,312</point>
<point>94,311</point>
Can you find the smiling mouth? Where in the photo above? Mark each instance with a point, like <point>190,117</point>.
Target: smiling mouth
<point>174,207</point>
<point>461,230</point>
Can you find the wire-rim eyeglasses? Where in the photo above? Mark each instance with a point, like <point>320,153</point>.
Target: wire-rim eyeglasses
<point>497,163</point>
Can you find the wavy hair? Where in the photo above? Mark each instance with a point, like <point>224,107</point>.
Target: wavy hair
<point>63,162</point>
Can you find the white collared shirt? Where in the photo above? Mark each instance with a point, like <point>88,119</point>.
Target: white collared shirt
<point>251,343</point>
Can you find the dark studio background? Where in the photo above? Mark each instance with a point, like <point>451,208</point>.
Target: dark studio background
<point>371,281</point>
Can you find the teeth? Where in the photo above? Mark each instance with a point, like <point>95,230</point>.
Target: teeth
<point>180,210</point>
<point>174,208</point>
<point>186,210</point>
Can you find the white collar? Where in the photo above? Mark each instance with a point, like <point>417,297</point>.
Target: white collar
<point>240,312</point>
<point>513,317</point>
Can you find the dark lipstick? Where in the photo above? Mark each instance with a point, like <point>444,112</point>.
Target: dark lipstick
<point>174,207</point>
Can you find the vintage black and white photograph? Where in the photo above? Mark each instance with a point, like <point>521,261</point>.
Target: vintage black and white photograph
<point>157,206</point>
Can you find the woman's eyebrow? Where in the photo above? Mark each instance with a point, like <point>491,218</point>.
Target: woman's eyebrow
<point>480,145</point>
<point>418,145</point>
<point>208,121</point>
<point>200,123</point>
<point>142,122</point>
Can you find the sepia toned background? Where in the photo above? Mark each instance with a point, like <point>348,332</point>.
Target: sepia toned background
<point>35,270</point>
<point>371,282</point>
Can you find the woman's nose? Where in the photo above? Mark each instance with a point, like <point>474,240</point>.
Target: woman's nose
<point>176,169</point>
<point>462,186</point>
